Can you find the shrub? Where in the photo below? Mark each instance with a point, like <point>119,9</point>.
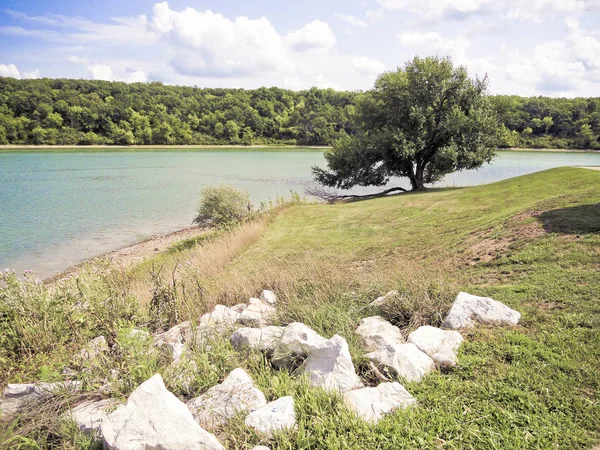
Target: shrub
<point>223,205</point>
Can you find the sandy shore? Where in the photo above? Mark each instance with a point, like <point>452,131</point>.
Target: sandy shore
<point>132,255</point>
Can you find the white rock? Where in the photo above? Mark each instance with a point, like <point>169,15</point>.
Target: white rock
<point>376,332</point>
<point>94,348</point>
<point>265,339</point>
<point>330,367</point>
<point>260,447</point>
<point>239,308</point>
<point>221,315</point>
<point>380,301</point>
<point>89,415</point>
<point>19,397</point>
<point>221,402</point>
<point>372,403</point>
<point>297,340</point>
<point>440,345</point>
<point>405,360</point>
<point>268,297</point>
<point>153,418</point>
<point>467,310</point>
<point>257,314</point>
<point>274,416</point>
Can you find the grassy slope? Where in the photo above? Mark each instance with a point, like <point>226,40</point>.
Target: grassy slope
<point>534,386</point>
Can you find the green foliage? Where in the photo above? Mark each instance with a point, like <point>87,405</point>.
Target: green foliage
<point>423,121</point>
<point>223,205</point>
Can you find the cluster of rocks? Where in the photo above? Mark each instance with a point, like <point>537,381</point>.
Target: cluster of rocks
<point>153,417</point>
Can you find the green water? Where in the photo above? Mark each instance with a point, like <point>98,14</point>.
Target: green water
<point>60,208</point>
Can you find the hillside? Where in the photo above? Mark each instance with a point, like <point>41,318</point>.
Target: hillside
<point>531,242</point>
<point>93,112</point>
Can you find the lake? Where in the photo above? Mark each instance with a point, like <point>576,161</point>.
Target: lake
<point>60,208</point>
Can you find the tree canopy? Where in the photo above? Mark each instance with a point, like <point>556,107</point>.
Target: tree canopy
<point>421,122</point>
<point>94,112</point>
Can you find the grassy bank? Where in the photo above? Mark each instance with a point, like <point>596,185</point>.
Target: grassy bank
<point>532,242</point>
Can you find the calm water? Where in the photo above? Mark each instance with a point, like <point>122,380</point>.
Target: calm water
<point>57,209</point>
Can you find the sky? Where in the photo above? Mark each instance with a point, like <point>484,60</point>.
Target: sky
<point>526,47</point>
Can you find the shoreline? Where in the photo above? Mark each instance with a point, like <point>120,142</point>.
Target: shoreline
<point>266,147</point>
<point>133,254</point>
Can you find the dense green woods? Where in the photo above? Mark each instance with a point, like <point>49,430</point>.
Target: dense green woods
<point>85,112</point>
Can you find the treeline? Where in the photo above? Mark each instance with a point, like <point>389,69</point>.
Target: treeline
<point>85,112</point>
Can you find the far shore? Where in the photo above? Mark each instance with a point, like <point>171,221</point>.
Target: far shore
<point>272,147</point>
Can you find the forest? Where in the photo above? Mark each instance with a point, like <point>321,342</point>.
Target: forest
<point>92,112</point>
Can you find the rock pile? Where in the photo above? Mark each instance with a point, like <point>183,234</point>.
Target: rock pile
<point>153,417</point>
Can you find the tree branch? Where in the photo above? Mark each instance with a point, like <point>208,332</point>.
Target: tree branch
<point>332,196</point>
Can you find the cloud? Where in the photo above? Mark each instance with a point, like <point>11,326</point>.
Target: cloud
<point>100,72</point>
<point>9,70</point>
<point>210,44</point>
<point>372,16</point>
<point>76,59</point>
<point>368,66</point>
<point>437,8</point>
<point>314,36</point>
<point>34,74</point>
<point>434,43</point>
<point>136,76</point>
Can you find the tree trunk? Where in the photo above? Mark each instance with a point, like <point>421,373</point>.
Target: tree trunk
<point>417,176</point>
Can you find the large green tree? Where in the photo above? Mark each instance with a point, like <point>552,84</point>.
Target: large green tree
<point>423,121</point>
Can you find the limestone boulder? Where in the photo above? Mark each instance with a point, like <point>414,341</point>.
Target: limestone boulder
<point>17,398</point>
<point>220,403</point>
<point>274,416</point>
<point>384,299</point>
<point>440,345</point>
<point>404,360</point>
<point>269,297</point>
<point>221,320</point>
<point>330,366</point>
<point>297,341</point>
<point>372,403</point>
<point>265,339</point>
<point>89,415</point>
<point>153,418</point>
<point>257,314</point>
<point>468,310</point>
<point>376,332</point>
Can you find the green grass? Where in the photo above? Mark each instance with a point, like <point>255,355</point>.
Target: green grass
<point>532,242</point>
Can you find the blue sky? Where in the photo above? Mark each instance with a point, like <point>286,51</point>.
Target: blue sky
<point>533,47</point>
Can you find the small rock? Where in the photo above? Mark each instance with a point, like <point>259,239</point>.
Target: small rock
<point>467,310</point>
<point>221,315</point>
<point>221,402</point>
<point>274,416</point>
<point>404,360</point>
<point>153,418</point>
<point>94,348</point>
<point>440,345</point>
<point>89,415</point>
<point>265,339</point>
<point>330,367</point>
<point>260,447</point>
<point>297,340</point>
<point>19,397</point>
<point>376,332</point>
<point>239,308</point>
<point>268,297</point>
<point>257,314</point>
<point>372,403</point>
<point>380,301</point>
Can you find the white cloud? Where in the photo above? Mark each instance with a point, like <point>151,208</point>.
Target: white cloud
<point>210,44</point>
<point>437,8</point>
<point>314,36</point>
<point>372,16</point>
<point>34,74</point>
<point>368,66</point>
<point>436,44</point>
<point>136,76</point>
<point>76,59</point>
<point>100,72</point>
<point>9,70</point>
